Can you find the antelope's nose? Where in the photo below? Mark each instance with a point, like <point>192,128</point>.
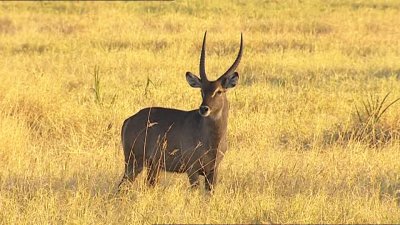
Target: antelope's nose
<point>204,110</point>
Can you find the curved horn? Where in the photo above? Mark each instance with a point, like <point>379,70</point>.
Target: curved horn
<point>203,75</point>
<point>239,56</point>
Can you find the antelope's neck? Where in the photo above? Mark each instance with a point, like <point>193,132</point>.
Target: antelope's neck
<point>216,128</point>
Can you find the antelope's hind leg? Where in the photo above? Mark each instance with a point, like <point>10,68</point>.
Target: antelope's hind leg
<point>132,170</point>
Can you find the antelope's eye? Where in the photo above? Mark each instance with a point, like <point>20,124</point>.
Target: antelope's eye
<point>219,92</point>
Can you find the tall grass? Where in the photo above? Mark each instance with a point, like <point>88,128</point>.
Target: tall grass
<point>306,65</point>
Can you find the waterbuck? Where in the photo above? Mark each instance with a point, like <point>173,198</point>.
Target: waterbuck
<point>192,142</point>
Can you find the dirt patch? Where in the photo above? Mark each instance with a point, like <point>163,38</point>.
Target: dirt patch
<point>7,26</point>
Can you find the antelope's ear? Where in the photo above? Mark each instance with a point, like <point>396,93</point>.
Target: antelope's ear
<point>229,80</point>
<point>193,80</point>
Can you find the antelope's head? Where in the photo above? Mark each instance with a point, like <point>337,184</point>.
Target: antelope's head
<point>213,93</point>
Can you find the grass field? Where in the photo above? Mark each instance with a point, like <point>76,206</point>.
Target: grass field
<point>71,72</point>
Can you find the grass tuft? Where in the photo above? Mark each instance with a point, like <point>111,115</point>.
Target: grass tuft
<point>96,85</point>
<point>368,126</point>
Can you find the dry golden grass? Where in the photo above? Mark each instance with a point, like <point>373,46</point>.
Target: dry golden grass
<point>306,65</point>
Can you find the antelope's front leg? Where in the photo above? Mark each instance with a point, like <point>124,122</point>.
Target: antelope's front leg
<point>210,180</point>
<point>193,178</point>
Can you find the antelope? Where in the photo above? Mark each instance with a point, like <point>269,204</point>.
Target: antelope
<point>192,142</point>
